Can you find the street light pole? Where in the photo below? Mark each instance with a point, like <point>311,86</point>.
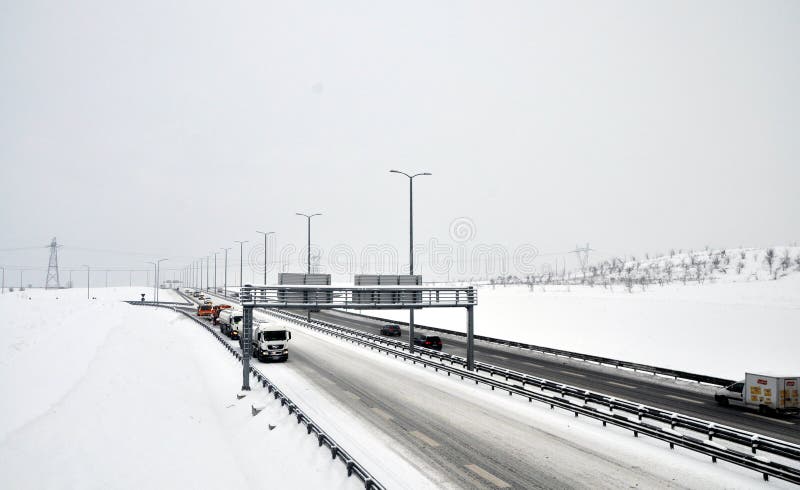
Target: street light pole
<point>155,278</point>
<point>87,281</point>
<point>308,218</point>
<point>265,252</point>
<point>215,272</point>
<point>225,274</point>
<point>158,271</point>
<point>410,246</point>
<point>241,261</point>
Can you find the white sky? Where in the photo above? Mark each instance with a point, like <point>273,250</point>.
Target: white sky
<point>171,129</point>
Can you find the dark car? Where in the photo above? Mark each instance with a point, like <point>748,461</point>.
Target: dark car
<point>428,341</point>
<point>390,330</point>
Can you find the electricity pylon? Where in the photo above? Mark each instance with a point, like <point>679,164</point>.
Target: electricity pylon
<point>52,268</point>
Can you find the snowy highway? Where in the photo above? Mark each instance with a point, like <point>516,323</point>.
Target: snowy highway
<point>465,436</point>
<point>642,389</point>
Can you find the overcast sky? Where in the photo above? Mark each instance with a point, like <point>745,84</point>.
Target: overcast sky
<point>171,129</point>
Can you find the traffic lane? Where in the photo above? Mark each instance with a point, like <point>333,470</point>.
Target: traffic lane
<point>660,395</point>
<point>469,440</point>
<point>620,386</point>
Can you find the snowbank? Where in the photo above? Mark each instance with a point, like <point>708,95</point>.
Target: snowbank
<point>101,394</point>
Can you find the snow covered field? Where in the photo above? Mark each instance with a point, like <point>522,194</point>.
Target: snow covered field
<point>721,329</point>
<point>101,394</point>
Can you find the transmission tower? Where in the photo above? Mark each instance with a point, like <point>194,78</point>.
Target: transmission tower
<point>583,255</point>
<point>52,268</point>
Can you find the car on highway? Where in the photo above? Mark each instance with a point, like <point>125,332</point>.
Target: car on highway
<point>390,330</point>
<point>428,341</point>
<point>204,310</point>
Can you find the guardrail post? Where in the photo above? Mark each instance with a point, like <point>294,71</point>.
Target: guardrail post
<point>470,339</point>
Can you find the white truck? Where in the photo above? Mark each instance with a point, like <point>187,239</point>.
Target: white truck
<point>270,341</point>
<point>230,322</point>
<point>767,393</point>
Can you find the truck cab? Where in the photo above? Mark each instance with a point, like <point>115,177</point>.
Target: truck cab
<point>731,394</point>
<point>270,342</point>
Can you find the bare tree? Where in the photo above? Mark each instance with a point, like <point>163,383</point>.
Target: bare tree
<point>769,258</point>
<point>785,260</point>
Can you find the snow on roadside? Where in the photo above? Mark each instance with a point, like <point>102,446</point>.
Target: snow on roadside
<point>101,394</point>
<point>721,329</point>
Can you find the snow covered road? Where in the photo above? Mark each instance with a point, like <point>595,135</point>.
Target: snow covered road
<point>463,436</point>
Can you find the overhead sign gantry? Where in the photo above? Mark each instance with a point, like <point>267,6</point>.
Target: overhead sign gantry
<point>373,297</point>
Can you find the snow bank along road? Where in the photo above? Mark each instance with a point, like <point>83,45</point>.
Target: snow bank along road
<point>465,436</point>
<point>641,389</point>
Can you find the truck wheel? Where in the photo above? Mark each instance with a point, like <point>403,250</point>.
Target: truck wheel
<point>723,401</point>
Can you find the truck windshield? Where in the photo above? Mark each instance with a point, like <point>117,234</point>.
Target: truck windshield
<point>273,335</point>
<point>237,319</point>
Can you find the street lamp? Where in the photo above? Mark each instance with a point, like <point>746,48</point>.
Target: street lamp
<point>241,261</point>
<point>87,280</point>
<point>225,275</point>
<point>410,246</point>
<point>155,277</point>
<point>308,217</point>
<point>265,252</point>
<point>158,270</point>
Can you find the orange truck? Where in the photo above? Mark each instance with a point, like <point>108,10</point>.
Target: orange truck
<point>215,312</point>
<point>205,310</point>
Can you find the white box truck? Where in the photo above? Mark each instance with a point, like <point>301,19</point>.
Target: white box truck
<point>767,393</point>
<point>270,341</point>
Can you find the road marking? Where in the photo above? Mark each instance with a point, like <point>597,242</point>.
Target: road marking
<point>533,364</point>
<point>422,437</point>
<point>676,397</point>
<point>497,482</point>
<point>498,357</point>
<point>770,418</point>
<point>381,413</point>
<point>351,395</point>
<point>623,385</point>
<point>574,374</point>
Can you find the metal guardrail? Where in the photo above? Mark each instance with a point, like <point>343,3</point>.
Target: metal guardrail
<point>607,361</point>
<point>748,439</point>
<point>352,466</point>
<point>372,297</point>
<point>712,430</point>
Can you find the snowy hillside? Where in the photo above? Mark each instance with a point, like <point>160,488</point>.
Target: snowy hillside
<point>725,265</point>
<point>678,266</point>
